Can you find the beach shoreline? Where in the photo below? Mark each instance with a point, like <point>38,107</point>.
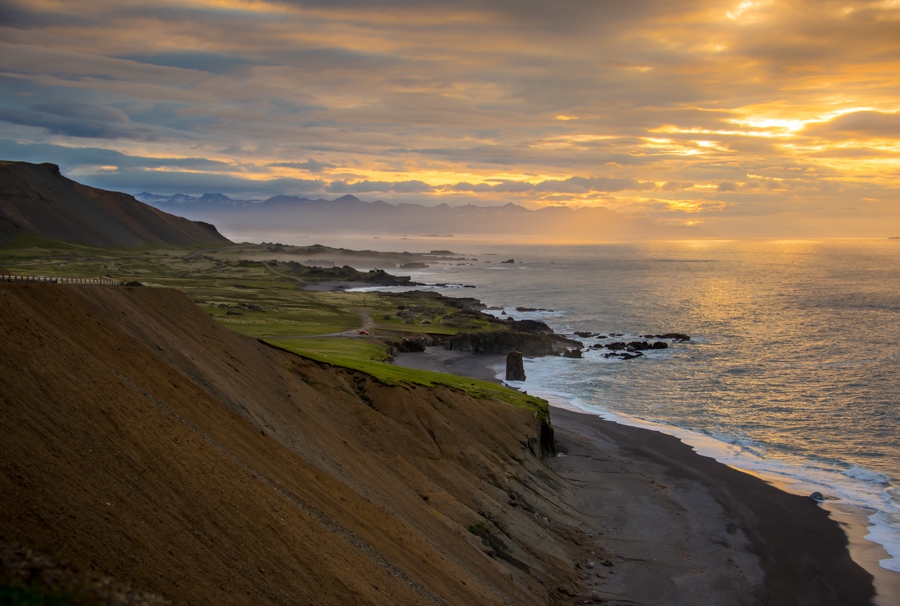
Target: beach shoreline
<point>685,528</point>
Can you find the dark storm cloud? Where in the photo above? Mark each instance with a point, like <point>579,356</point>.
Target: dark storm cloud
<point>23,17</point>
<point>77,120</point>
<point>206,62</point>
<point>77,158</point>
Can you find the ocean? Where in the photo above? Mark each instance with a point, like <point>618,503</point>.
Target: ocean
<point>791,371</point>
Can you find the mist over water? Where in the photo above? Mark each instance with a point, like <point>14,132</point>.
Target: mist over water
<point>792,368</point>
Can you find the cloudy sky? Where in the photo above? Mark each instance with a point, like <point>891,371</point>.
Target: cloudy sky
<point>748,117</point>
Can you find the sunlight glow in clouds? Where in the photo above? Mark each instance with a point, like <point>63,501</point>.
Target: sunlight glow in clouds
<point>748,118</point>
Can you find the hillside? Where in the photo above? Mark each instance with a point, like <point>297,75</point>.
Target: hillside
<point>37,201</point>
<point>146,442</point>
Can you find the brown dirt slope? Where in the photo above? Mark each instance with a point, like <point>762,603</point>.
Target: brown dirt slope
<point>37,200</point>
<point>146,442</point>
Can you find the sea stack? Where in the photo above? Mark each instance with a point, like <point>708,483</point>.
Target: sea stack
<point>515,368</point>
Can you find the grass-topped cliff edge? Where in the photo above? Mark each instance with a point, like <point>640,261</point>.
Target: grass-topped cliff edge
<point>147,442</point>
<point>266,298</point>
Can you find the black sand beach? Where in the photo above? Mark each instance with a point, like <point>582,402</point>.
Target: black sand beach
<point>684,528</point>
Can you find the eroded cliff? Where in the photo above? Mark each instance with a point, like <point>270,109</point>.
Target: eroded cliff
<point>147,442</point>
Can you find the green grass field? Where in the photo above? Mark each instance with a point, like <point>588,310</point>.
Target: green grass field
<point>243,291</point>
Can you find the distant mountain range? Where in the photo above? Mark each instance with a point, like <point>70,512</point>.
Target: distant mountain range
<point>349,214</point>
<point>205,201</point>
<point>37,201</point>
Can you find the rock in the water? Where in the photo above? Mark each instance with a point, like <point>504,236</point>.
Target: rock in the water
<point>817,496</point>
<point>677,336</point>
<point>572,353</point>
<point>509,261</point>
<point>660,345</point>
<point>515,368</point>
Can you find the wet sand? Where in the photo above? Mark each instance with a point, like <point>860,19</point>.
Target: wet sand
<point>684,529</point>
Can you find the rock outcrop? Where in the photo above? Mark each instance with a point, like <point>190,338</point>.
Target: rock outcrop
<point>533,326</point>
<point>515,367</point>
<point>505,341</point>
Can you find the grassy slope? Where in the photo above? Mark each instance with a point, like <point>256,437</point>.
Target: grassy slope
<point>261,300</point>
<point>146,441</point>
<point>371,358</point>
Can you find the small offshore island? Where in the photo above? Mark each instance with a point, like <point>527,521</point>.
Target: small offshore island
<point>229,425</point>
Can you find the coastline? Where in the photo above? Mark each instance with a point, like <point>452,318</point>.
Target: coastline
<point>685,528</point>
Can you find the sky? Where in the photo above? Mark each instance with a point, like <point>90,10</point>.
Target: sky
<point>749,118</point>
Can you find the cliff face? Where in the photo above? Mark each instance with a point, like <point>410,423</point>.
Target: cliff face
<point>145,441</point>
<point>35,199</point>
<point>505,341</point>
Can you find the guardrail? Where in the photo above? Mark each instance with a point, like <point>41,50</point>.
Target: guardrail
<point>49,280</point>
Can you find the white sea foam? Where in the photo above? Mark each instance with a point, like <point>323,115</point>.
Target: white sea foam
<point>557,380</point>
<point>867,475</point>
<point>884,531</point>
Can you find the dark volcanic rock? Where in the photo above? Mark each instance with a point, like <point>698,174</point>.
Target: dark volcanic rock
<point>467,303</point>
<point>505,341</point>
<point>572,353</point>
<point>515,368</point>
<point>660,345</point>
<point>509,261</point>
<point>414,345</point>
<point>677,336</point>
<point>535,326</point>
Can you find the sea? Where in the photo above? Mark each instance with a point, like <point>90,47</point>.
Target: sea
<point>792,370</point>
